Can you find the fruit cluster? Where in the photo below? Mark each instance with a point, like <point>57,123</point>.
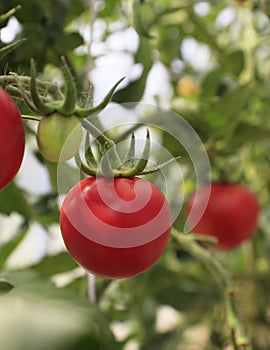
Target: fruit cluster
<point>114,223</point>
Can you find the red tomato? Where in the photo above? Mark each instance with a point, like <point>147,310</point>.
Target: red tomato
<point>115,227</point>
<point>231,213</point>
<point>12,139</point>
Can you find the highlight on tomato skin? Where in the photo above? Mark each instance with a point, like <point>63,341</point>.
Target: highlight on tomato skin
<point>115,227</point>
<point>231,213</point>
<point>12,139</point>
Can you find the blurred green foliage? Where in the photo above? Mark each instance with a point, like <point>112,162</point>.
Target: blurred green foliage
<point>229,111</point>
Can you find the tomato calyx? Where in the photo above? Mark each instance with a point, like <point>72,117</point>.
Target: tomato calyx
<point>66,103</point>
<point>108,163</point>
<point>58,112</point>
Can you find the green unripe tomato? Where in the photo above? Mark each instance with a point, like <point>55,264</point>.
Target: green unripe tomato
<point>59,137</point>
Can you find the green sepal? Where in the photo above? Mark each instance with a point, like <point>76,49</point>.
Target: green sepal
<point>86,169</point>
<point>104,143</point>
<point>96,133</point>
<point>109,164</point>
<point>142,162</point>
<point>83,113</point>
<point>26,98</point>
<point>89,156</point>
<point>40,106</point>
<point>159,166</point>
<point>130,156</point>
<point>106,168</point>
<point>70,94</point>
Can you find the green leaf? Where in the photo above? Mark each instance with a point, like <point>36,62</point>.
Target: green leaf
<point>135,90</point>
<point>12,199</point>
<point>47,209</point>
<point>108,9</point>
<point>168,341</point>
<point>55,264</point>
<point>227,108</point>
<point>248,133</point>
<point>46,317</point>
<point>74,9</point>
<point>7,248</point>
<point>234,63</point>
<point>69,42</point>
<point>211,82</point>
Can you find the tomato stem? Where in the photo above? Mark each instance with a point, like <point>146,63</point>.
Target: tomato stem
<point>138,22</point>
<point>211,40</point>
<point>8,48</point>
<point>30,117</point>
<point>8,14</point>
<point>189,244</point>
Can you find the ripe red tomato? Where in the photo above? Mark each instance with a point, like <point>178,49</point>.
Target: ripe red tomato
<point>231,213</point>
<point>12,139</point>
<point>115,227</point>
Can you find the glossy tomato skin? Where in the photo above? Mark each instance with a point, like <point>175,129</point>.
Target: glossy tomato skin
<point>59,137</point>
<point>115,228</point>
<point>12,139</point>
<point>231,214</point>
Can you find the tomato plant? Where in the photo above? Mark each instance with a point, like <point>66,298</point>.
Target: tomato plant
<point>59,137</point>
<point>12,138</point>
<point>115,227</point>
<point>231,213</point>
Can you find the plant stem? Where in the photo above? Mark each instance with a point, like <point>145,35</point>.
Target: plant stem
<point>89,59</point>
<point>12,79</point>
<point>30,117</point>
<point>8,14</point>
<point>91,288</point>
<point>188,243</point>
<point>208,37</point>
